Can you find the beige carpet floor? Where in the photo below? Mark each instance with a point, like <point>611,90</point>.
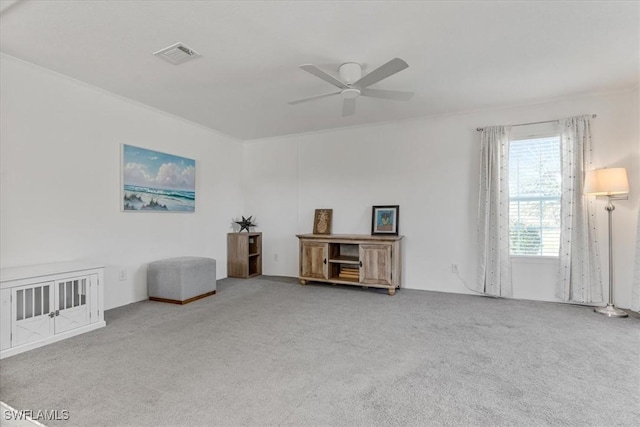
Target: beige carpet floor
<point>267,351</point>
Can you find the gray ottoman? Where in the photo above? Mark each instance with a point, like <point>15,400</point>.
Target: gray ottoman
<point>181,280</point>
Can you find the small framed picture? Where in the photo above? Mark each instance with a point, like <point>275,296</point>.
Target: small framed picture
<point>384,219</point>
<point>322,221</point>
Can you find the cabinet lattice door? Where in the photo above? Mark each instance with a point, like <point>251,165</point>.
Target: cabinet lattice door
<point>72,310</point>
<point>33,306</point>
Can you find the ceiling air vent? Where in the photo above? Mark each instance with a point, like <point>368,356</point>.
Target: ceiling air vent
<point>177,54</point>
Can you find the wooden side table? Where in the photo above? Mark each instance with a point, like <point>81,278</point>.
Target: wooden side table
<point>244,254</point>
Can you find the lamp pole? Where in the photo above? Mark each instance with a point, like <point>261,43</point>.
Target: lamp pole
<point>610,309</point>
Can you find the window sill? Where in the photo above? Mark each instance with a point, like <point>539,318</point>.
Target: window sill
<point>527,259</point>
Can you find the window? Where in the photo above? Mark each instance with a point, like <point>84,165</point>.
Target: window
<point>534,196</point>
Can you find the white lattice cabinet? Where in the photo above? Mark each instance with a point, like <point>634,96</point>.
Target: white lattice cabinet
<point>45,303</point>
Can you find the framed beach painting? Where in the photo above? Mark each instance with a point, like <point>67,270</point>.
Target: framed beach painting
<point>153,181</point>
<point>384,219</point>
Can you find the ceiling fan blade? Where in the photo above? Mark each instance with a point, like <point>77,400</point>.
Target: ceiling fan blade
<point>396,95</point>
<point>311,98</point>
<point>348,107</point>
<point>382,72</point>
<point>312,69</point>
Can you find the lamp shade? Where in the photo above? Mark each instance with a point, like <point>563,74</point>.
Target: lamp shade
<point>606,182</point>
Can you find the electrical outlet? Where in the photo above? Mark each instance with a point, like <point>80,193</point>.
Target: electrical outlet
<point>122,275</point>
<point>454,268</point>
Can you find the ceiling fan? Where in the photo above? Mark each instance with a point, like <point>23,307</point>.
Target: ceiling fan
<point>353,84</point>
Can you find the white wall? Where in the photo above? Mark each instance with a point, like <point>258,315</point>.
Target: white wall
<point>271,196</point>
<point>60,180</point>
<point>60,185</point>
<point>429,167</point>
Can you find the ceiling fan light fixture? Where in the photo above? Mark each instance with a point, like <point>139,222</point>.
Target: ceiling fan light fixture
<point>350,93</point>
<point>350,72</point>
<point>351,84</point>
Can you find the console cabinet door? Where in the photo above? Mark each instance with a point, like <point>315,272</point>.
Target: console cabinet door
<point>32,314</point>
<point>72,303</point>
<point>314,260</point>
<point>376,264</point>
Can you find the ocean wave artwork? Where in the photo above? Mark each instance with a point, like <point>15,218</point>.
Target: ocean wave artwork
<point>156,181</point>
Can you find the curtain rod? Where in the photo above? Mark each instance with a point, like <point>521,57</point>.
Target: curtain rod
<point>593,116</point>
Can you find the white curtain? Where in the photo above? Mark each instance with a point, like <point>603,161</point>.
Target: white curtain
<point>580,276</point>
<point>494,263</point>
<point>635,291</point>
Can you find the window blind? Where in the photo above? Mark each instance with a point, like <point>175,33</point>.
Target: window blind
<point>534,196</point>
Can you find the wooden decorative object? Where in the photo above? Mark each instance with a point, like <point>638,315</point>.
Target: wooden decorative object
<point>322,221</point>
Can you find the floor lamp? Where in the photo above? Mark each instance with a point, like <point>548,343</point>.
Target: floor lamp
<point>613,183</point>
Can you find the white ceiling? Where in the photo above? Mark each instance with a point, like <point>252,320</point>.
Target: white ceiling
<point>462,55</point>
